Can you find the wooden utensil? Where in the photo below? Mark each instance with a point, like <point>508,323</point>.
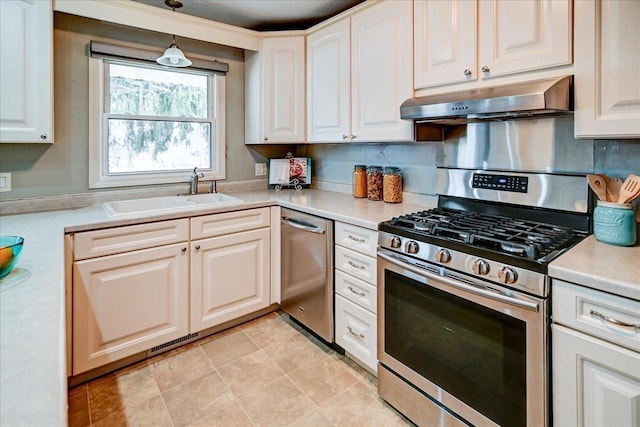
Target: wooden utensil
<point>613,188</point>
<point>598,185</point>
<point>630,189</point>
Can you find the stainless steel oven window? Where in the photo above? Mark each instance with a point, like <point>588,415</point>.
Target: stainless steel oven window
<point>446,341</point>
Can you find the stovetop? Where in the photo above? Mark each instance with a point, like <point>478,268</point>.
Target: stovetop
<point>514,237</point>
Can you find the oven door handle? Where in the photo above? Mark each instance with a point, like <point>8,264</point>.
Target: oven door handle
<point>469,288</point>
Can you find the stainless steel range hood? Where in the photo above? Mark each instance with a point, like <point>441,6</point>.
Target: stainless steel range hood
<point>549,97</point>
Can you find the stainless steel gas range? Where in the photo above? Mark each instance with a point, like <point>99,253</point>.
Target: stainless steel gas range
<point>463,291</point>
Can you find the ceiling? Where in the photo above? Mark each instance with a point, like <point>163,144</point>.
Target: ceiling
<point>262,15</point>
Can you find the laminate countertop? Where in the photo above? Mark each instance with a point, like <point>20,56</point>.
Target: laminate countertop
<point>33,359</point>
<point>613,269</point>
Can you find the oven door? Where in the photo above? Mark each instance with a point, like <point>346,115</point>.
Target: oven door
<point>476,348</point>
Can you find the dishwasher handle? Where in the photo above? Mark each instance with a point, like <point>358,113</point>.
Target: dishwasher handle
<point>302,225</point>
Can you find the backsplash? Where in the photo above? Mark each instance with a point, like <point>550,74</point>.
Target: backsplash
<point>617,157</point>
<point>334,162</point>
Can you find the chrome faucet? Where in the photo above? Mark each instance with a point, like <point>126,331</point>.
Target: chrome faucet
<point>193,181</point>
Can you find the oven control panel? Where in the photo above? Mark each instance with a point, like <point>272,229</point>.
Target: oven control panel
<point>517,184</point>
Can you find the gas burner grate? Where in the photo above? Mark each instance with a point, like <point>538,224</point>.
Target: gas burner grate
<point>511,236</point>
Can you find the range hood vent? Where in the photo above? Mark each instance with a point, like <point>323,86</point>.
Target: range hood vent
<point>549,97</point>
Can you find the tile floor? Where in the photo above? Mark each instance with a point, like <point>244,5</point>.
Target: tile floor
<point>267,372</point>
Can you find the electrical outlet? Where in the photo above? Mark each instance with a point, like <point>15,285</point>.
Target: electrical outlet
<point>261,169</point>
<point>5,181</point>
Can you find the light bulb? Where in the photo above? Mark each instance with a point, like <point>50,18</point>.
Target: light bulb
<point>174,60</point>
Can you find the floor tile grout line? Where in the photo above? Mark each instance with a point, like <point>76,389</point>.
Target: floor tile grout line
<point>308,397</point>
<point>166,410</point>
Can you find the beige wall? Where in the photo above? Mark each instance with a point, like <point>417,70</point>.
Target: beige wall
<point>62,168</point>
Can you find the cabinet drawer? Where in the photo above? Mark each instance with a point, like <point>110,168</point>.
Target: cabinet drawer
<point>583,309</point>
<point>362,266</point>
<point>356,332</point>
<point>230,222</point>
<point>357,238</point>
<point>111,241</point>
<point>357,291</point>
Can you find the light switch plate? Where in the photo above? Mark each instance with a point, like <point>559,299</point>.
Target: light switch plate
<point>5,182</point>
<point>261,169</point>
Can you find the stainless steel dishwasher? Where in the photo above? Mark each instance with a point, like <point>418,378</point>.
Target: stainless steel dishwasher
<point>307,270</point>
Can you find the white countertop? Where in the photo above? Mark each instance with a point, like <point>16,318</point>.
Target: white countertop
<point>600,266</point>
<point>33,376</point>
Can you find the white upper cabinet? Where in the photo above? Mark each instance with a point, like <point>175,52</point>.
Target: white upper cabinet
<point>359,71</point>
<point>445,42</point>
<point>523,35</point>
<point>328,84</point>
<point>26,45</point>
<point>460,41</point>
<point>381,71</point>
<point>275,108</point>
<point>607,69</point>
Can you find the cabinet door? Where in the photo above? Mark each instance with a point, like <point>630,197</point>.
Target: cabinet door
<point>381,71</point>
<point>127,303</point>
<point>607,69</point>
<point>595,383</point>
<point>229,277</point>
<point>283,99</point>
<point>26,45</point>
<point>523,35</point>
<point>328,91</point>
<point>356,332</point>
<point>445,42</point>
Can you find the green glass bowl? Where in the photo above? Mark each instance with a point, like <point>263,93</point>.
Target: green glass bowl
<point>9,254</point>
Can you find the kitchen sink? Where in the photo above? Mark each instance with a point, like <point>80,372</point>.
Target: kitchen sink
<point>210,198</point>
<point>167,203</point>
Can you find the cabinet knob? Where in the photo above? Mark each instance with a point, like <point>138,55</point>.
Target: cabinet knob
<point>485,69</point>
<point>43,136</point>
<point>266,139</point>
<point>467,72</point>
<point>344,137</point>
<point>183,250</point>
<point>354,136</point>
<point>197,247</point>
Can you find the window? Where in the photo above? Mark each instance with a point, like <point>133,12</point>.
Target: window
<point>152,124</point>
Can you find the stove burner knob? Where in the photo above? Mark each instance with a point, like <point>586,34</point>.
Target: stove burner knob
<point>507,275</point>
<point>443,256</point>
<point>411,247</point>
<point>395,242</point>
<point>481,267</point>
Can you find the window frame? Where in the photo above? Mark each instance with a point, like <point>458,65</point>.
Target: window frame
<point>98,138</point>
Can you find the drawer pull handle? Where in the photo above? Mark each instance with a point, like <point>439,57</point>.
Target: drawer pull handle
<point>359,267</point>
<point>356,239</point>
<point>353,291</point>
<point>614,321</point>
<point>357,334</point>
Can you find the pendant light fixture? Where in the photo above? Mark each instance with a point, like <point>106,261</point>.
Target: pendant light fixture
<point>173,56</point>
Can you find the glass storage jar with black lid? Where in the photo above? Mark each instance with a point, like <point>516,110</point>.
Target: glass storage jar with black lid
<point>374,182</point>
<point>392,185</point>
<point>360,181</point>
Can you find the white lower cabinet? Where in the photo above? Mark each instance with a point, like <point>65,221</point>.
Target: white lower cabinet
<point>356,331</point>
<point>140,286</point>
<point>596,383</point>
<point>127,303</point>
<point>596,358</point>
<point>355,293</point>
<point>229,277</point>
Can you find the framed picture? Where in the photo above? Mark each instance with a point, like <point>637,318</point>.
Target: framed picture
<point>290,172</point>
